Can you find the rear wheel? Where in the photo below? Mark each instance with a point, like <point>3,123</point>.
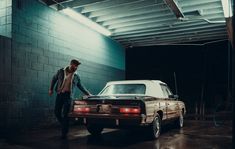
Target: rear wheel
<point>94,130</point>
<point>155,128</point>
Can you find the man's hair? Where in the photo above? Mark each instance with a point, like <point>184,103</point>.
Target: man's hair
<point>75,62</point>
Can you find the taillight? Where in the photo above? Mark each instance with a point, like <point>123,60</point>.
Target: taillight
<point>78,102</point>
<point>130,110</point>
<point>81,109</point>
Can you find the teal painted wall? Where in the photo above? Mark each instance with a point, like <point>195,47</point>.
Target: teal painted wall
<point>45,28</point>
<point>43,41</point>
<point>5,17</point>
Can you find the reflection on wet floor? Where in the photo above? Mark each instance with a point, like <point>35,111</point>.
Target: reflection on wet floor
<point>195,135</point>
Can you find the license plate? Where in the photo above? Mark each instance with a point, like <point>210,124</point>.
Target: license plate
<point>104,108</point>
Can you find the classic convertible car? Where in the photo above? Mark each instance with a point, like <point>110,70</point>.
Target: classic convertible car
<point>130,104</point>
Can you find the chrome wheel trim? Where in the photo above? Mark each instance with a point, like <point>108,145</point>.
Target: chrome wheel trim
<point>181,120</point>
<point>156,127</point>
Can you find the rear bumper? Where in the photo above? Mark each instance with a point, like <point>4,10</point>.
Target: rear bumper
<point>108,120</point>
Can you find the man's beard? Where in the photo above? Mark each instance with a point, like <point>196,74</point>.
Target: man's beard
<point>72,70</point>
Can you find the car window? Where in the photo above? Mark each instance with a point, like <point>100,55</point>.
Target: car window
<point>124,89</point>
<point>164,90</point>
<point>168,90</point>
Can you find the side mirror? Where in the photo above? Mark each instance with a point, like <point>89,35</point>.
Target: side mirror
<point>174,96</point>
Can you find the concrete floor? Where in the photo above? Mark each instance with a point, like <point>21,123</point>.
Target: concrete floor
<point>194,135</point>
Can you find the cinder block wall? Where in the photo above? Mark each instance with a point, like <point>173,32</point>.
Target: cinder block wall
<point>5,17</point>
<point>44,40</point>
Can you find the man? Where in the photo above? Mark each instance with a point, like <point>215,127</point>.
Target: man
<point>65,80</point>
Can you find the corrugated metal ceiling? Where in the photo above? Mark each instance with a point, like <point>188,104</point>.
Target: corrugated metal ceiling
<point>153,22</point>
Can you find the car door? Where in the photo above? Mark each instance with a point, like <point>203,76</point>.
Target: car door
<point>172,106</point>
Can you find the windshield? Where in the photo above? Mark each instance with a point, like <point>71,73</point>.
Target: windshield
<point>124,89</point>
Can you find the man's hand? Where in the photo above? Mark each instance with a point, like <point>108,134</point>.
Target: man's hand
<point>50,92</point>
<point>87,96</point>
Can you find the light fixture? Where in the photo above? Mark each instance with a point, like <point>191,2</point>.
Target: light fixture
<point>84,20</point>
<point>227,7</point>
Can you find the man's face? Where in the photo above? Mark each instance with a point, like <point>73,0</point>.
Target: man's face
<point>73,67</point>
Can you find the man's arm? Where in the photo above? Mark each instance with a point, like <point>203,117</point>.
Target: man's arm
<point>53,82</point>
<point>82,88</point>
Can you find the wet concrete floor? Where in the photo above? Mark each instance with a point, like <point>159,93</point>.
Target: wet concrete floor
<point>194,135</point>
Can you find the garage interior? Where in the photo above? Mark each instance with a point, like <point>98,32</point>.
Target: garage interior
<point>187,44</point>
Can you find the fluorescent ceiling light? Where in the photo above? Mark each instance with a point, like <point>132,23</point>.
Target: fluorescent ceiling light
<point>84,20</point>
<point>227,7</point>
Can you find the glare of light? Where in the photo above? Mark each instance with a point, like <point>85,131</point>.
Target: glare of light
<point>84,20</point>
<point>227,7</point>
